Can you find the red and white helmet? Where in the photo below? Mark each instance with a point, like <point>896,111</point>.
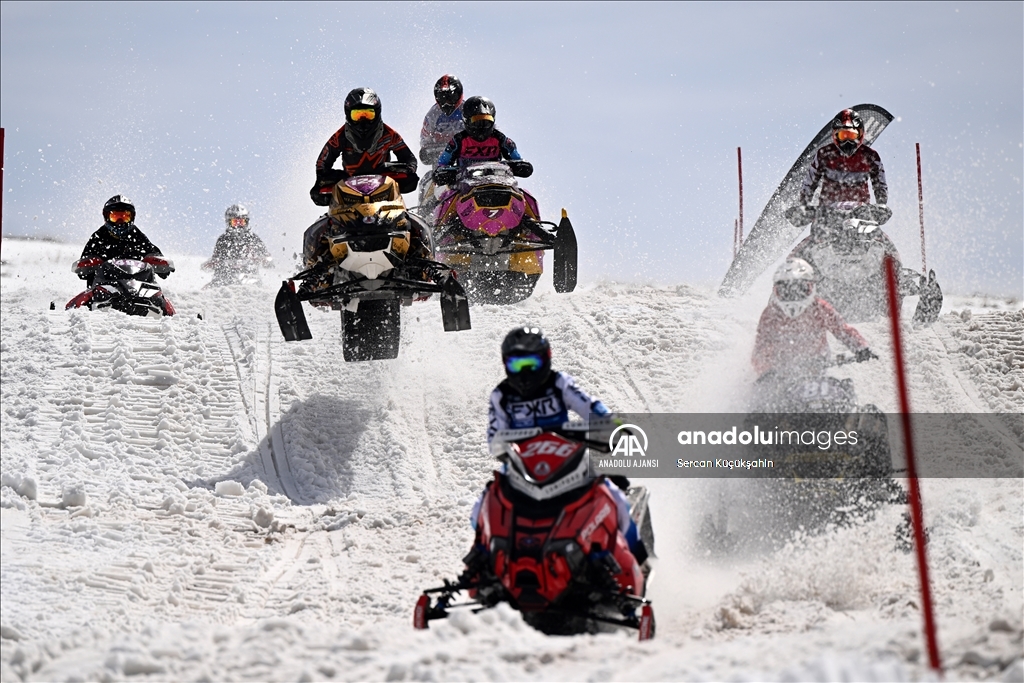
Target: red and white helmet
<point>794,285</point>
<point>848,131</point>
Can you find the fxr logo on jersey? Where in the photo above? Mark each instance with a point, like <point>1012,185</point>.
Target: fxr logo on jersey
<point>484,150</point>
<point>527,413</point>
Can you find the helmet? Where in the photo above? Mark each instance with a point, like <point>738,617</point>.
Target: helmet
<point>119,205</point>
<point>478,117</point>
<point>793,289</point>
<point>848,131</point>
<point>527,358</point>
<point>237,216</point>
<point>362,115</point>
<point>448,93</point>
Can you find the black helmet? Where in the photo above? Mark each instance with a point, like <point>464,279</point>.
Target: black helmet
<point>118,204</point>
<point>848,131</point>
<point>478,117</point>
<point>448,93</point>
<point>362,115</point>
<point>527,358</point>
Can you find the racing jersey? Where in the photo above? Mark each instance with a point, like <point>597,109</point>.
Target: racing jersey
<point>364,161</point>
<point>438,129</point>
<point>548,407</point>
<point>466,150</point>
<point>845,178</point>
<point>799,345</point>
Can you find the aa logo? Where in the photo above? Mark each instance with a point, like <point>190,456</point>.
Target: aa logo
<point>626,441</point>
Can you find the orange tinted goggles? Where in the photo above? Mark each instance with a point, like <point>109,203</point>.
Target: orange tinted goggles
<point>845,134</point>
<point>481,117</point>
<point>239,222</point>
<point>119,216</point>
<point>362,114</point>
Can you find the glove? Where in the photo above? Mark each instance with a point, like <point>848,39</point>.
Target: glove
<point>800,215</point>
<point>444,175</point>
<point>865,354</point>
<point>521,168</point>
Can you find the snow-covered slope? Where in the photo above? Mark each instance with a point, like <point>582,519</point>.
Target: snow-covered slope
<point>192,498</point>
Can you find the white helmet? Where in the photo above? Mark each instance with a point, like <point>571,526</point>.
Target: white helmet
<point>237,216</point>
<point>793,289</point>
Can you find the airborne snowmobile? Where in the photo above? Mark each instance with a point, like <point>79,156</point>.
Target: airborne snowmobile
<point>845,243</point>
<point>125,285</point>
<point>373,257</point>
<point>490,230</point>
<point>550,548</point>
<point>847,249</point>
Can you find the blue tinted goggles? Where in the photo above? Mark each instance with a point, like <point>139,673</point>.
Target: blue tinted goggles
<point>517,364</point>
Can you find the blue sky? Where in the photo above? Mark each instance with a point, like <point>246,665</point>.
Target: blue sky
<point>631,114</point>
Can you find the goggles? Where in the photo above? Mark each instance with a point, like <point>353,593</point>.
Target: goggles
<point>517,364</point>
<point>477,118</point>
<point>238,222</point>
<point>120,216</point>
<point>844,134</point>
<point>794,291</point>
<point>362,115</point>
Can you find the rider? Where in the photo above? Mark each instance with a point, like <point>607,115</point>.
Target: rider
<point>443,120</point>
<point>791,337</point>
<point>480,141</point>
<point>844,169</point>
<point>534,395</point>
<point>365,145</point>
<point>238,241</point>
<point>120,238</point>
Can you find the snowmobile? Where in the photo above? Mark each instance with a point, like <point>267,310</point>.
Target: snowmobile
<point>555,554</point>
<point>490,229</point>
<point>847,248</point>
<point>125,285</point>
<point>378,257</point>
<point>859,244</point>
<point>242,270</point>
<point>810,488</point>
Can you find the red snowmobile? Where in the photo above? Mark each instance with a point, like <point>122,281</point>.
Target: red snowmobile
<point>125,285</point>
<point>548,541</point>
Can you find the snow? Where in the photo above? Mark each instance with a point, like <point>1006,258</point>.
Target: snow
<point>193,498</point>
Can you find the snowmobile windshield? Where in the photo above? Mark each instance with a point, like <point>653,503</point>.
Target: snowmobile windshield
<point>529,363</point>
<point>794,291</point>
<point>488,173</point>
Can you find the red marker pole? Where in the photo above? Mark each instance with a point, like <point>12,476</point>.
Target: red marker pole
<point>916,512</point>
<point>920,208</point>
<point>1,183</point>
<point>735,236</point>
<point>739,166</point>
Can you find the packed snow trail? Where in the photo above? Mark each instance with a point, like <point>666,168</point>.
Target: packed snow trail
<point>188,498</point>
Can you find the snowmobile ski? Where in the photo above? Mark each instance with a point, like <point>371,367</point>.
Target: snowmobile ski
<point>290,315</point>
<point>565,271</point>
<point>454,306</point>
<point>772,234</point>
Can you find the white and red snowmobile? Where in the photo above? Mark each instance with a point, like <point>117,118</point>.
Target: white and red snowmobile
<point>847,249</point>
<point>490,230</point>
<point>125,285</point>
<point>548,541</point>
